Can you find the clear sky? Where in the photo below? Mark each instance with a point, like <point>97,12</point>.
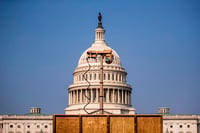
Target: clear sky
<point>41,42</point>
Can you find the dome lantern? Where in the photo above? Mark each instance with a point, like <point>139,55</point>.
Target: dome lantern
<point>100,31</point>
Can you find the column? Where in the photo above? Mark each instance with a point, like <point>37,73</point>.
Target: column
<point>78,97</point>
<point>118,77</point>
<point>130,97</point>
<point>72,97</point>
<point>91,98</point>
<point>96,100</point>
<point>76,93</point>
<point>107,96</point>
<point>97,95</point>
<point>122,96</point>
<point>81,96</point>
<point>126,97</point>
<point>113,95</point>
<point>85,99</point>
<point>87,94</point>
<point>118,96</point>
<point>69,98</point>
<point>94,95</point>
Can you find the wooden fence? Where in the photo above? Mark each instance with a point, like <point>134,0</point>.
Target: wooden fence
<point>107,124</point>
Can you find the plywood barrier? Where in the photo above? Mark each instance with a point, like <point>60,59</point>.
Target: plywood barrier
<point>107,124</point>
<point>149,124</point>
<point>67,124</point>
<point>122,124</point>
<point>93,124</point>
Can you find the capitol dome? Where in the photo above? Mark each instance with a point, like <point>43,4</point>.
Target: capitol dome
<point>83,93</point>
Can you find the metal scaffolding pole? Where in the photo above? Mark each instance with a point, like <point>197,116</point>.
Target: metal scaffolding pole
<point>101,86</point>
<point>108,59</point>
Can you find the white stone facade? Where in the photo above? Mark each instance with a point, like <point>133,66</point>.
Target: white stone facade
<point>117,93</point>
<point>26,124</point>
<point>181,124</point>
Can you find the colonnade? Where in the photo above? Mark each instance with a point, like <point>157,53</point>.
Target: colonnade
<point>107,76</point>
<point>111,95</point>
<point>99,36</point>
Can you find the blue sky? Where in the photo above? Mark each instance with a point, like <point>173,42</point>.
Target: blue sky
<point>41,42</point>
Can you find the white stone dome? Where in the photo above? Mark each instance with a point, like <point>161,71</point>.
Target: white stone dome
<point>84,92</point>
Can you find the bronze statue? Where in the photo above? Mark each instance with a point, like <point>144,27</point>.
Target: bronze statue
<point>99,23</point>
<point>99,17</point>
